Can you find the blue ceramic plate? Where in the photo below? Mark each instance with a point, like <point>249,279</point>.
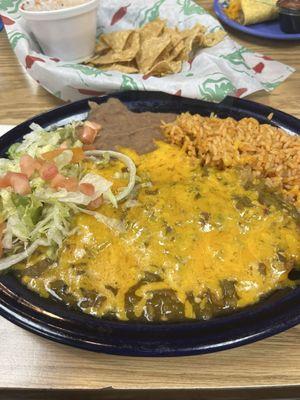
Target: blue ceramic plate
<point>266,30</point>
<point>57,322</point>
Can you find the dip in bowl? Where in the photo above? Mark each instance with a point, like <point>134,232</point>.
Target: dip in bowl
<point>65,29</point>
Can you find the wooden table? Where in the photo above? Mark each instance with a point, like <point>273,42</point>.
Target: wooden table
<point>29,364</point>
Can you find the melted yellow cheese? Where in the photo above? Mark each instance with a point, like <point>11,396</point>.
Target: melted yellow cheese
<point>197,233</point>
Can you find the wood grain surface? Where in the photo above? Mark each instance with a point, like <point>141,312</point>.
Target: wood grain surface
<point>30,362</point>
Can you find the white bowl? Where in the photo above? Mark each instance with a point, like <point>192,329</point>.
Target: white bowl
<point>68,33</point>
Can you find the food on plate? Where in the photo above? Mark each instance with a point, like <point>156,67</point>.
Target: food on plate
<point>51,5</point>
<point>265,151</point>
<point>155,49</point>
<point>248,12</point>
<point>143,232</point>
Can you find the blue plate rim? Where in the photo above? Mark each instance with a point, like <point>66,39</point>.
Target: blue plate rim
<point>56,322</point>
<point>251,28</point>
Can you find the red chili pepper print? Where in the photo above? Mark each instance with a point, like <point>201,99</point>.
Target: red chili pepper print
<point>240,92</point>
<point>259,68</point>
<point>30,60</point>
<point>6,20</point>
<point>55,59</point>
<point>118,15</point>
<point>267,58</point>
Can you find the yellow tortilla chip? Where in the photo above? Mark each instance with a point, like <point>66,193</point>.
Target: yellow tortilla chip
<point>117,40</point>
<point>128,54</point>
<point>154,49</point>
<point>150,50</point>
<point>152,29</point>
<point>174,47</point>
<point>213,38</point>
<point>165,67</point>
<point>193,38</point>
<point>101,48</point>
<point>126,68</point>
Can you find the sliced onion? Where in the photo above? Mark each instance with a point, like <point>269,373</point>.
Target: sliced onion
<point>126,160</point>
<point>8,262</point>
<point>112,223</point>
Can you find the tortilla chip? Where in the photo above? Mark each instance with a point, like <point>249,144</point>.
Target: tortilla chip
<point>101,48</point>
<point>174,47</point>
<point>165,67</point>
<point>117,40</point>
<point>152,29</point>
<point>127,54</point>
<point>126,68</point>
<point>213,38</point>
<point>154,49</point>
<point>150,50</point>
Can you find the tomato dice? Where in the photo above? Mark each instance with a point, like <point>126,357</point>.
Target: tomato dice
<point>48,171</point>
<point>58,181</point>
<point>87,188</point>
<point>5,180</point>
<point>89,132</point>
<point>94,204</point>
<point>20,183</point>
<point>28,165</point>
<point>61,182</point>
<point>71,184</point>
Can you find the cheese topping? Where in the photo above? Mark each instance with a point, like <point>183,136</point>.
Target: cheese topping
<point>196,242</point>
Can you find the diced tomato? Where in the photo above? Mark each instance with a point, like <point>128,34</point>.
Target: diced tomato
<point>87,147</point>
<point>28,165</point>
<point>5,180</point>
<point>78,154</point>
<point>71,184</point>
<point>58,181</point>
<point>94,204</point>
<point>89,132</point>
<point>61,182</point>
<point>50,155</point>
<point>87,188</point>
<point>48,171</point>
<point>20,183</point>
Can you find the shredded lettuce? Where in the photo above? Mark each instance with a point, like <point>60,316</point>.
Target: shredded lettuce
<point>40,141</point>
<point>44,217</point>
<point>126,160</point>
<point>8,262</point>
<point>111,223</point>
<point>63,159</point>
<point>49,195</point>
